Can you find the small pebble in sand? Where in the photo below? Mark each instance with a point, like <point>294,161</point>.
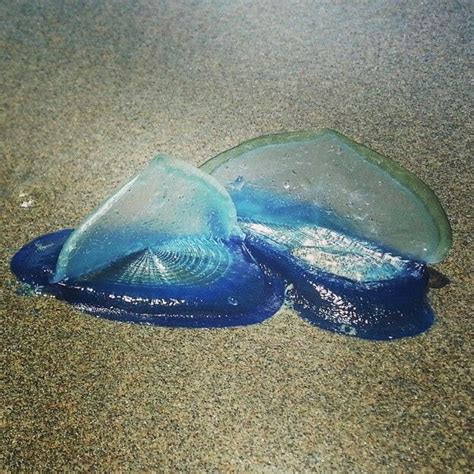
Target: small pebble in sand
<point>27,204</point>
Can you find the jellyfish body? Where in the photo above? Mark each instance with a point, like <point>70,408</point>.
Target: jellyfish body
<point>350,230</point>
<point>165,249</point>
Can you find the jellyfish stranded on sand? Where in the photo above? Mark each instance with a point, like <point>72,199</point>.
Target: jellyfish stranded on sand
<point>348,231</point>
<point>165,249</point>
<point>351,230</point>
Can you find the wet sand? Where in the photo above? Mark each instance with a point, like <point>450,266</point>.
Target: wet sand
<point>91,93</point>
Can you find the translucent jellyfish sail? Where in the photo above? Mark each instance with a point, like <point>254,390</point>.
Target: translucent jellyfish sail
<point>168,203</point>
<point>165,249</point>
<point>345,225</point>
<point>328,180</point>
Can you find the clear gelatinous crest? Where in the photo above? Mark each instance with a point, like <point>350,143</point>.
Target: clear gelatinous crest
<point>168,200</point>
<point>324,179</point>
<point>347,227</point>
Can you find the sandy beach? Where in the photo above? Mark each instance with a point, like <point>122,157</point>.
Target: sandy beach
<point>91,92</point>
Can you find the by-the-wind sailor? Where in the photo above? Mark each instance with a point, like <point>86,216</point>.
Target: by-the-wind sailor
<point>351,230</point>
<point>165,249</point>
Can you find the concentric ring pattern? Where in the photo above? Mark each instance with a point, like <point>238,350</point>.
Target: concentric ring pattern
<point>178,262</point>
<point>165,249</point>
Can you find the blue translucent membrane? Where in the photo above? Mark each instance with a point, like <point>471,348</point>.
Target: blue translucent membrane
<point>342,284</point>
<point>165,249</point>
<point>344,226</point>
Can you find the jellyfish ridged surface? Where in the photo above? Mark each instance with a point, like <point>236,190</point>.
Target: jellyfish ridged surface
<point>165,249</point>
<point>349,230</point>
<point>318,248</point>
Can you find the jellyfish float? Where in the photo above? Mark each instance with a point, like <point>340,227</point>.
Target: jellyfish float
<point>349,230</point>
<point>164,249</point>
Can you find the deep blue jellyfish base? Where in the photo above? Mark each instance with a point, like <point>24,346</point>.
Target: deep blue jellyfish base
<point>248,292</point>
<point>378,310</point>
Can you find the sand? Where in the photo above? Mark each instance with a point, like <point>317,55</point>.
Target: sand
<point>90,93</point>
